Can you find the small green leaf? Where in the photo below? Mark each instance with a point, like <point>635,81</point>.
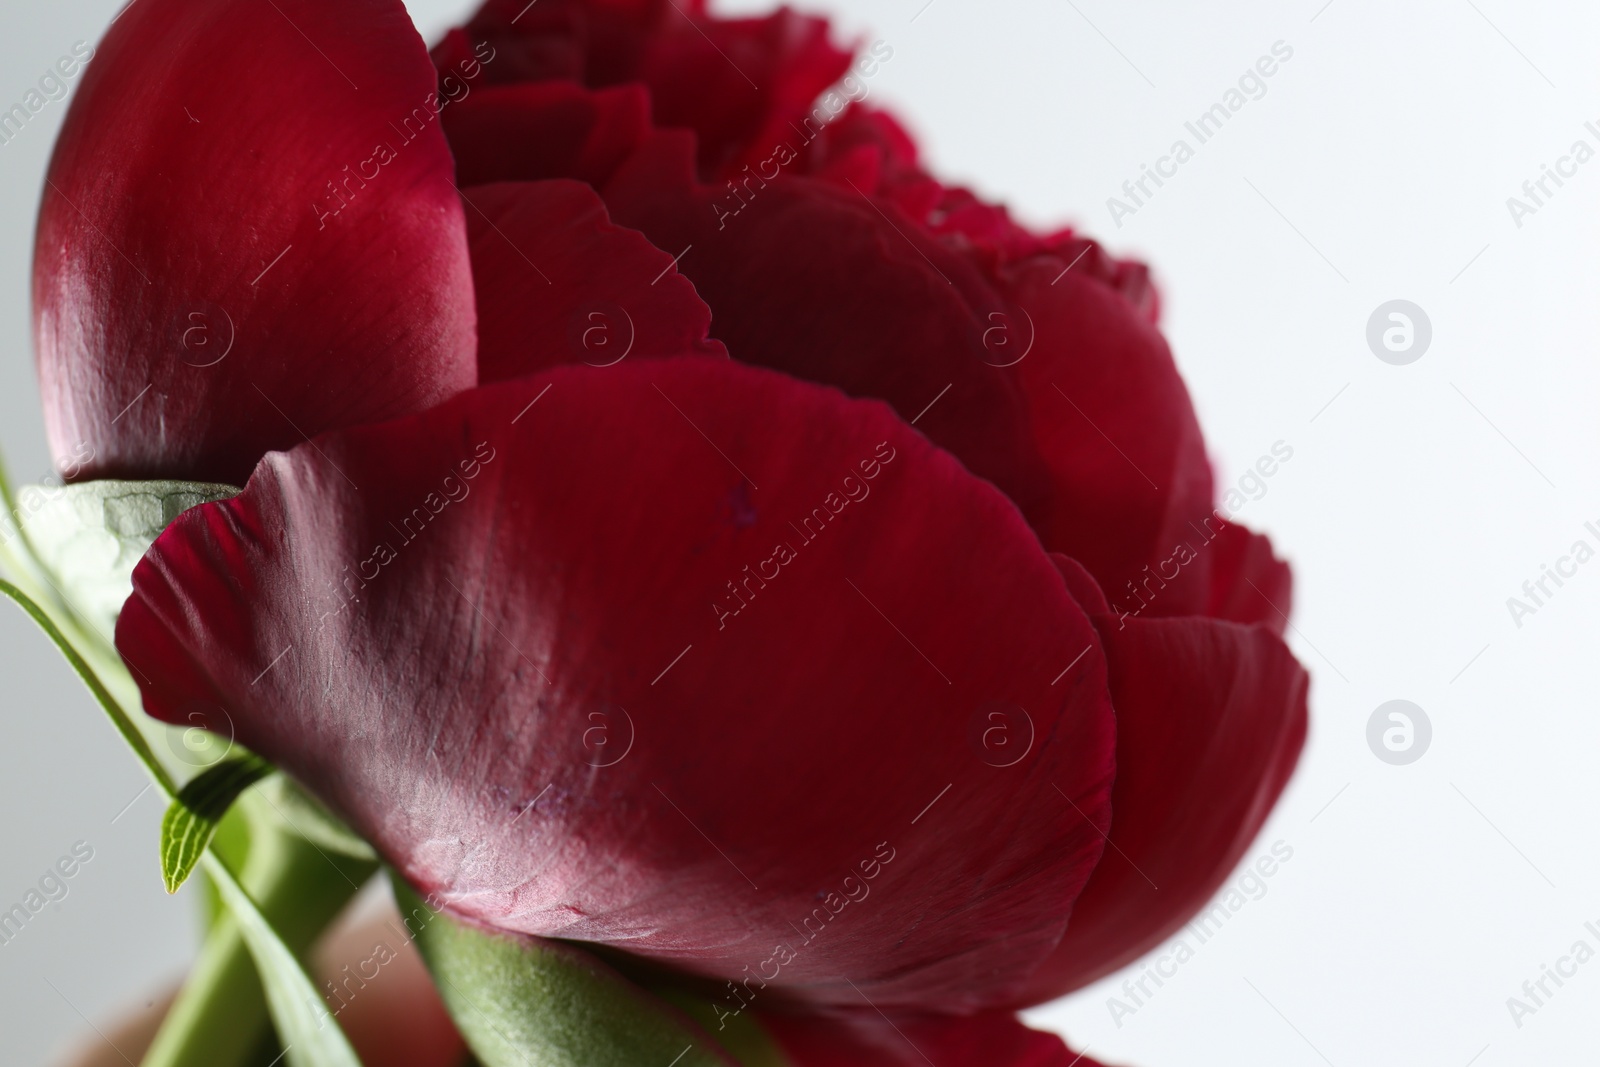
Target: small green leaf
<point>521,1001</point>
<point>311,1036</point>
<point>192,818</point>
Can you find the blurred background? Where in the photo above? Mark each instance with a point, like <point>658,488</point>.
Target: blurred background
<point>1431,476</point>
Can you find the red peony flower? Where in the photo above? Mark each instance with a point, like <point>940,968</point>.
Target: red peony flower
<point>672,519</point>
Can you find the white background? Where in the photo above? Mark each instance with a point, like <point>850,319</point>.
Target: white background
<point>1377,166</point>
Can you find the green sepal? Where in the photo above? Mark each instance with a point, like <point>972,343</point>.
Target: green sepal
<point>89,535</point>
<point>523,1001</point>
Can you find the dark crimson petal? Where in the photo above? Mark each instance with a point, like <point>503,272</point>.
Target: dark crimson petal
<point>739,84</point>
<point>1249,584</point>
<point>1061,392</point>
<point>1211,717</point>
<point>817,282</point>
<point>248,234</point>
<point>988,232</point>
<point>867,1039</point>
<point>1090,431</point>
<point>558,283</point>
<point>1115,425</point>
<point>595,42</point>
<point>545,130</point>
<point>794,689</point>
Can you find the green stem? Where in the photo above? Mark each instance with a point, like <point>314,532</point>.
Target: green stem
<point>220,1018</point>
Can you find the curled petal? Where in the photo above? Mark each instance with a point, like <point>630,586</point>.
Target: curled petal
<point>740,84</point>
<point>558,283</point>
<point>1211,717</point>
<point>684,657</point>
<point>248,234</point>
<point>1249,584</point>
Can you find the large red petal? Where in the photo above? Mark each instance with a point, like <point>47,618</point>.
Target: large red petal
<point>558,283</point>
<point>248,234</point>
<point>867,1039</point>
<point>1051,384</point>
<point>1211,717</point>
<point>795,689</point>
<point>1031,359</point>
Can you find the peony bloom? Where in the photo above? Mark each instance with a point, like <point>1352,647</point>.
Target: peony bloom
<point>672,519</point>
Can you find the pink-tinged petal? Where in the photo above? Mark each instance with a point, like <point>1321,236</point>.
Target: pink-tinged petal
<point>867,1039</point>
<point>558,283</point>
<point>248,234</point>
<point>1249,584</point>
<point>1211,717</point>
<point>698,650</point>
